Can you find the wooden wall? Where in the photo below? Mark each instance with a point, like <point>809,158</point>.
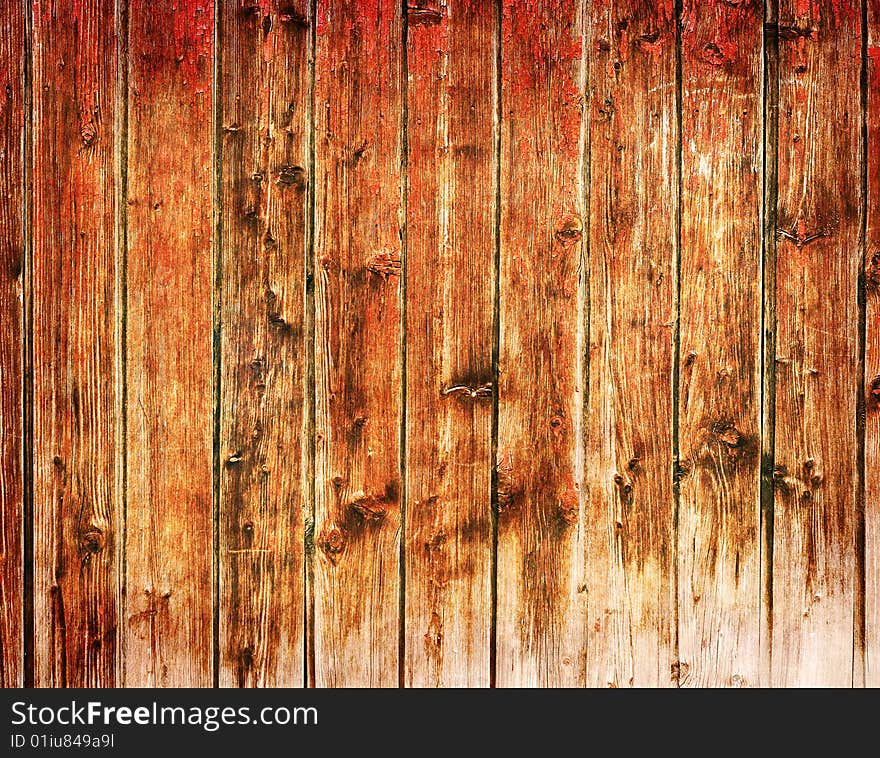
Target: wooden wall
<point>438,343</point>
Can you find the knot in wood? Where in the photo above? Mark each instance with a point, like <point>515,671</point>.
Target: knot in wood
<point>872,273</point>
<point>292,176</point>
<point>873,399</point>
<point>569,231</point>
<point>92,540</point>
<point>385,264</point>
<point>332,543</point>
<point>369,507</point>
<point>88,133</point>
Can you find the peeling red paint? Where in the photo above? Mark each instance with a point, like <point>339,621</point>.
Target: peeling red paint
<point>653,48</point>
<point>169,265</point>
<point>720,46</point>
<point>874,65</point>
<point>544,58</point>
<point>718,53</point>
<point>842,12</point>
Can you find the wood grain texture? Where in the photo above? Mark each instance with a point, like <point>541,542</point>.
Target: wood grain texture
<point>631,517</point>
<point>720,360</point>
<point>872,355</point>
<point>817,378</point>
<point>449,323</point>
<point>77,535</point>
<point>358,221</point>
<point>265,102</point>
<point>12,112</point>
<point>169,549</point>
<point>541,597</point>
<point>439,343</point>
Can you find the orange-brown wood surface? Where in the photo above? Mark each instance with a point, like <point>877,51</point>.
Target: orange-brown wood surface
<point>358,248</point>
<point>450,383</point>
<point>871,460</point>
<point>630,518</point>
<point>819,207</point>
<point>77,531</point>
<point>439,343</point>
<point>169,513</point>
<point>12,62</point>
<point>264,118</point>
<point>541,596</point>
<point>719,385</point>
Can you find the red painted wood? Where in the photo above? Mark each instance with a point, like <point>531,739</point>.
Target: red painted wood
<point>263,438</point>
<point>817,342</point>
<point>357,261</point>
<point>630,521</point>
<point>78,532</point>
<point>872,357</point>
<point>188,381</point>
<point>12,111</point>
<point>449,324</point>
<point>719,548</point>
<point>541,596</point>
<point>169,548</point>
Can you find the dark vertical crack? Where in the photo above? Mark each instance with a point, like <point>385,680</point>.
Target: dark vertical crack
<point>859,609</point>
<point>121,284</point>
<point>496,347</point>
<point>27,447</point>
<point>676,340</point>
<point>217,306</point>
<point>585,294</point>
<point>404,190</point>
<point>770,188</point>
<point>309,500</point>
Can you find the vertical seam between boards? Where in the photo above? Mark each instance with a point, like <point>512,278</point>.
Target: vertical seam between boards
<point>585,294</point>
<point>121,294</point>
<point>496,348</point>
<point>402,352</point>
<point>859,605</point>
<point>769,127</point>
<point>216,340</point>
<point>27,456</point>
<point>311,444</point>
<point>675,672</point>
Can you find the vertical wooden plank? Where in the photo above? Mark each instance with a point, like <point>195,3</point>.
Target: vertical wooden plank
<point>817,350</point>
<point>450,317</point>
<point>872,355</point>
<point>264,48</point>
<point>358,220</point>
<point>540,626</point>
<point>169,548</point>
<point>12,54</point>
<point>633,202</point>
<point>720,359</point>
<point>77,531</point>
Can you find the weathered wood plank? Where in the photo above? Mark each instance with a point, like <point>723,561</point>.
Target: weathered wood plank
<point>77,531</point>
<point>872,356</point>
<point>12,55</point>
<point>720,342</point>
<point>541,622</point>
<point>358,220</point>
<point>450,298</point>
<point>817,377</point>
<point>633,197</point>
<point>169,609</point>
<point>265,102</point>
